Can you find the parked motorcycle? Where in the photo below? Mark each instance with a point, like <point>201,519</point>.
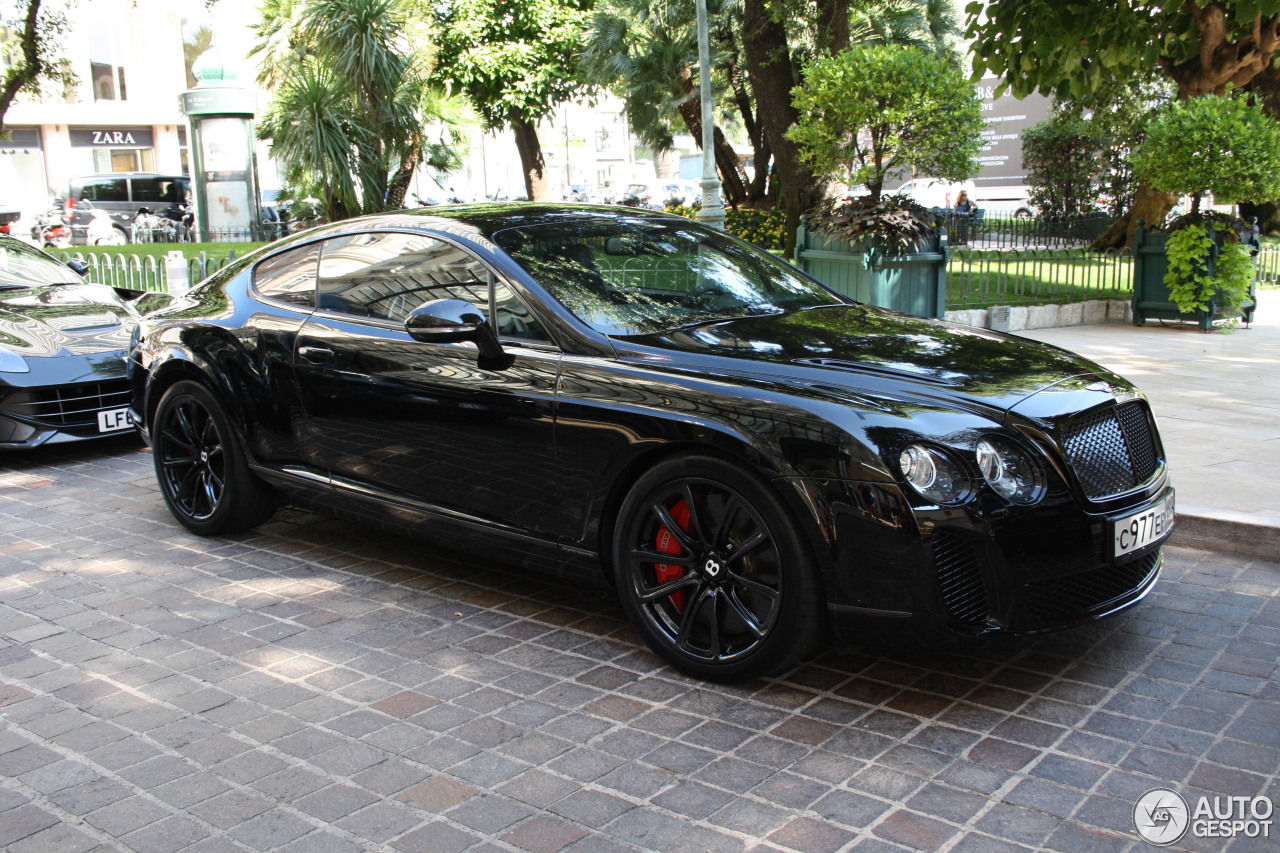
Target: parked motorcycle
<point>50,231</point>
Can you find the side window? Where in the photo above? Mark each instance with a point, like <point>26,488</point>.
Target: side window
<point>387,275</point>
<point>147,189</point>
<point>514,319</point>
<point>105,189</point>
<point>289,276</point>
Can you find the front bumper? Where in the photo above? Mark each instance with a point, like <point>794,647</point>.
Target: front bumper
<point>938,575</point>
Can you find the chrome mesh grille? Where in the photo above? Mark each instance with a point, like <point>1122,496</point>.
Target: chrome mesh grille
<point>1111,451</point>
<point>959,574</point>
<point>65,406</point>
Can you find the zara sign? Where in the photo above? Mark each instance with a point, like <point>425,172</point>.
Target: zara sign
<point>112,137</point>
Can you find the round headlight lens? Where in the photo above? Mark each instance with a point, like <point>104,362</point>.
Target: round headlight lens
<point>1012,474</point>
<point>933,474</point>
<point>11,362</point>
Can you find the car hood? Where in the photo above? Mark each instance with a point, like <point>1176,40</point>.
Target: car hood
<point>64,319</point>
<point>882,352</point>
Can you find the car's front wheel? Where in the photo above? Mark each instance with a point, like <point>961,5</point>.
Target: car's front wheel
<point>201,467</point>
<point>713,571</point>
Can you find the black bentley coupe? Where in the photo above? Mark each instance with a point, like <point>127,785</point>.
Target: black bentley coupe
<point>62,348</point>
<point>752,461</point>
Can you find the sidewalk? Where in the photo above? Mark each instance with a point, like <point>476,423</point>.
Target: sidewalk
<point>1217,400</point>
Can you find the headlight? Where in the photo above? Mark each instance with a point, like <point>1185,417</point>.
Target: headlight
<point>11,362</point>
<point>933,474</point>
<point>1012,474</point>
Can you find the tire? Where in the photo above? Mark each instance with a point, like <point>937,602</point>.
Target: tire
<point>725,592</point>
<point>201,466</point>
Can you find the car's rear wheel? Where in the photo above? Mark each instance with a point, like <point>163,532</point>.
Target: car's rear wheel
<point>201,467</point>
<point>714,573</point>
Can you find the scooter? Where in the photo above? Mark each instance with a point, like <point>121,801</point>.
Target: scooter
<point>50,231</point>
<point>100,231</point>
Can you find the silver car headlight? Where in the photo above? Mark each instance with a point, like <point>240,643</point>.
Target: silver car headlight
<point>933,474</point>
<point>11,362</point>
<point>1011,473</point>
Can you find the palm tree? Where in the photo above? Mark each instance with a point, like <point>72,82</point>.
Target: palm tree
<point>647,52</point>
<point>353,99</point>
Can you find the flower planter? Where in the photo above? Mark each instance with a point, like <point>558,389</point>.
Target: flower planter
<point>915,283</point>
<point>1151,299</point>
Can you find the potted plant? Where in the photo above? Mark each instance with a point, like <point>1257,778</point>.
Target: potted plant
<point>868,114</point>
<point>1200,268</point>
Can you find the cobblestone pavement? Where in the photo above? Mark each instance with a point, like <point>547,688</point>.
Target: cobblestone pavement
<point>315,688</point>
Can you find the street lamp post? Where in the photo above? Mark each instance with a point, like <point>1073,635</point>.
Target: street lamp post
<point>712,212</point>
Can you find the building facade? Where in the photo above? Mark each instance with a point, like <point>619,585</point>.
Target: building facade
<point>122,114</point>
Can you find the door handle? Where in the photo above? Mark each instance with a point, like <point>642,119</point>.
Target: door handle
<point>315,355</point>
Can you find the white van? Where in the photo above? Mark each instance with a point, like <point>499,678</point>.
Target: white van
<point>935,192</point>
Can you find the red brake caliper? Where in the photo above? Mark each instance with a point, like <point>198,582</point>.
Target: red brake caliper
<point>667,544</point>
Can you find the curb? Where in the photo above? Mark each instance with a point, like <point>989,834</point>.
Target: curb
<point>1227,533</point>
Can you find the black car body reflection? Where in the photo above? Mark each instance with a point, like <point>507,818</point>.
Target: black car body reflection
<point>62,349</point>
<point>627,397</point>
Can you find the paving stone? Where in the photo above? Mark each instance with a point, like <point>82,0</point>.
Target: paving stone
<point>312,688</point>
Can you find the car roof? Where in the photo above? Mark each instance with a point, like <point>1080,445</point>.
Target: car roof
<point>490,218</point>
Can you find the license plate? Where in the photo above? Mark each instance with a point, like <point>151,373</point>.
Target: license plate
<point>1142,528</point>
<point>114,420</point>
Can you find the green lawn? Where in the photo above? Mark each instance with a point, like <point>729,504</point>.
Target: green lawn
<point>983,279</point>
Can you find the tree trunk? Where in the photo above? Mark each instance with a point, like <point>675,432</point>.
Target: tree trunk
<point>760,154</point>
<point>772,75</point>
<point>732,176</point>
<point>1149,205</point>
<point>833,25</point>
<point>531,161</point>
<point>398,186</point>
<point>27,69</point>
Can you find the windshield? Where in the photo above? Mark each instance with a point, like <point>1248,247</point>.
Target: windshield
<point>639,276</point>
<point>23,266</point>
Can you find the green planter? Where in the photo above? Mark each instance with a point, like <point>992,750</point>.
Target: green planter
<point>915,283</point>
<point>1151,300</point>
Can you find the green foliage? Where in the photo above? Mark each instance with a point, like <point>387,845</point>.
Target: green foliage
<point>352,101</point>
<point>515,60</point>
<point>895,225</point>
<point>30,50</point>
<point>870,112</point>
<point>765,228</point>
<point>1195,277</point>
<point>1090,44</point>
<point>1063,159</point>
<point>1219,145</point>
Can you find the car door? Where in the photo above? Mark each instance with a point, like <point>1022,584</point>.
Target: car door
<point>423,423</point>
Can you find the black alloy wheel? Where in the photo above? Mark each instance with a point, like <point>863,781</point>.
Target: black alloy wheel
<point>200,467</point>
<point>714,573</point>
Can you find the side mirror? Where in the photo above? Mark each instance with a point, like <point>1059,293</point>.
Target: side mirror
<point>443,321</point>
<point>78,267</point>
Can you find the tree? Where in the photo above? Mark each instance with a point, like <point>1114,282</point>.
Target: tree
<point>1221,145</point>
<point>874,111</point>
<point>779,38</point>
<point>1202,49</point>
<point>515,60</point>
<point>194,44</point>
<point>1064,161</point>
<point>647,53</point>
<point>353,103</point>
<point>29,52</point>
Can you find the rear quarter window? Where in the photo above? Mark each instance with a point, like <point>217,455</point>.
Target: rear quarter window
<point>105,189</point>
